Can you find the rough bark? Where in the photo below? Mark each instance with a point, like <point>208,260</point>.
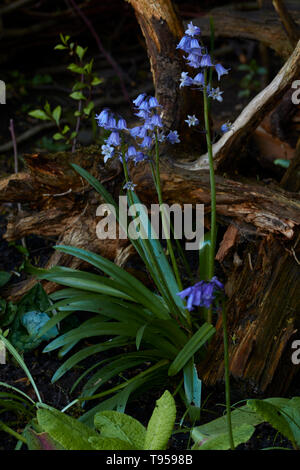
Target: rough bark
<point>162,31</point>
<point>263,319</point>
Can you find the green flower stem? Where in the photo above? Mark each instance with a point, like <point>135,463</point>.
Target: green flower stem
<point>163,216</point>
<point>227,378</point>
<point>180,250</point>
<point>171,303</point>
<point>13,433</point>
<point>213,228</point>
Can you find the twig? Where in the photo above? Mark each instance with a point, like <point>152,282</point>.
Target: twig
<point>14,144</point>
<point>110,59</point>
<point>78,119</point>
<point>16,162</point>
<point>27,135</point>
<point>14,6</point>
<point>290,26</point>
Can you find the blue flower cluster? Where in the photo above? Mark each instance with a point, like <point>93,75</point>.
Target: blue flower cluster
<point>198,58</point>
<point>202,294</point>
<point>147,109</point>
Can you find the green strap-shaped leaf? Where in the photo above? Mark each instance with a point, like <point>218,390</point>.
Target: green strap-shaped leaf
<point>192,346</point>
<point>161,423</point>
<point>141,293</point>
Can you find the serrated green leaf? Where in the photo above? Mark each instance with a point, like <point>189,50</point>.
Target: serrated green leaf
<point>87,110</point>
<point>80,51</point>
<point>215,433</point>
<point>79,86</point>
<point>56,114</point>
<point>40,441</point>
<point>65,129</point>
<point>67,431</point>
<point>96,81</point>
<point>58,136</point>
<point>60,47</point>
<point>77,95</point>
<point>109,443</point>
<point>76,69</point>
<point>241,434</point>
<point>272,414</point>
<point>161,423</point>
<point>39,114</point>
<point>113,424</point>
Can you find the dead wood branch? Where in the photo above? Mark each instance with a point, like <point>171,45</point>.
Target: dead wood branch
<point>259,25</point>
<point>291,28</point>
<point>229,146</point>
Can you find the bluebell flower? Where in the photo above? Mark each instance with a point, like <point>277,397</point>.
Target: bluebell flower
<point>142,113</point>
<point>134,132</point>
<point>173,137</point>
<point>103,117</point>
<point>192,30</point>
<point>138,101</point>
<point>142,133</point>
<point>185,80</point>
<point>194,60</point>
<point>147,142</point>
<point>227,126</point>
<point>111,123</point>
<point>192,121</point>
<point>199,79</point>
<point>206,61</point>
<point>156,121</point>
<point>122,126</point>
<point>195,44</point>
<point>144,105</point>
<point>153,103</point>
<point>140,157</point>
<point>129,186</point>
<point>221,70</point>
<point>107,151</point>
<point>148,126</point>
<point>184,43</point>
<point>161,137</point>
<point>114,139</point>
<point>131,151</point>
<point>215,94</point>
<point>202,294</point>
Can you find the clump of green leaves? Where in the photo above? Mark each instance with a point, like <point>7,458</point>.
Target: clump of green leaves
<point>251,80</point>
<point>113,430</point>
<point>82,89</point>
<point>283,414</point>
<point>26,319</point>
